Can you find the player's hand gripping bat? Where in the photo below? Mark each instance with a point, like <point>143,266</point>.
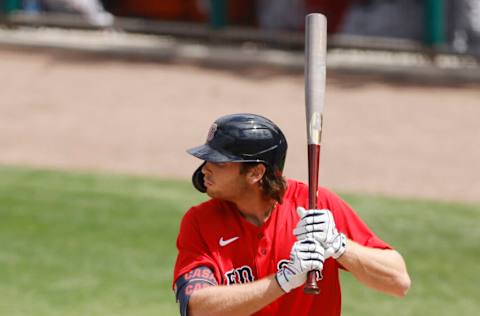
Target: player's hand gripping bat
<point>315,76</point>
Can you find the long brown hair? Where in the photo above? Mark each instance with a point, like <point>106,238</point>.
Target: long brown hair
<point>273,184</point>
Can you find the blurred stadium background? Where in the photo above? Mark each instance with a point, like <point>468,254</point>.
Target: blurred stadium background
<point>100,99</point>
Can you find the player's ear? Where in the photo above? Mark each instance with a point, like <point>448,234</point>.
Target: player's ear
<point>255,174</point>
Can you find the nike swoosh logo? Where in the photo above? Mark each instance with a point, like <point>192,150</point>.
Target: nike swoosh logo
<point>223,243</point>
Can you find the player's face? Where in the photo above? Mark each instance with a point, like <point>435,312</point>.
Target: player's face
<point>224,180</point>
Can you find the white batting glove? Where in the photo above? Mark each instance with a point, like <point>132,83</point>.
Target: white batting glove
<point>306,255</point>
<point>320,225</point>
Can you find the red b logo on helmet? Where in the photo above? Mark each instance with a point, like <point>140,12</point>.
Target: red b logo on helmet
<point>211,132</point>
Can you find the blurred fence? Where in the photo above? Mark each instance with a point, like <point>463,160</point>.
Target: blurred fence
<point>443,26</point>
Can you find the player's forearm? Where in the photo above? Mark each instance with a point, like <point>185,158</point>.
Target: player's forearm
<point>242,299</point>
<point>383,270</point>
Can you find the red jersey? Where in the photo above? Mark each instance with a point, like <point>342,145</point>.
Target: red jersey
<point>216,235</point>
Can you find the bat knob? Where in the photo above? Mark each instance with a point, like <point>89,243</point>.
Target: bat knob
<point>311,287</point>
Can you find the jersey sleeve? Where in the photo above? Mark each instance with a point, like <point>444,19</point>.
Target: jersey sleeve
<point>192,249</point>
<point>190,282</point>
<point>348,222</point>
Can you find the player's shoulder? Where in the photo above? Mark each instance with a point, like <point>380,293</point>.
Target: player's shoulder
<point>206,210</point>
<point>206,207</point>
<point>296,193</point>
<point>296,187</point>
<point>298,190</point>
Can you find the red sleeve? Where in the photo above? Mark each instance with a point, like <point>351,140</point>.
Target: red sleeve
<point>192,249</point>
<point>348,222</point>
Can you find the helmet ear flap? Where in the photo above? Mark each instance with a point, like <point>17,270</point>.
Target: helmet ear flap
<point>197,179</point>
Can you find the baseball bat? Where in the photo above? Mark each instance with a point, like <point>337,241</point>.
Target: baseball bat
<point>315,77</point>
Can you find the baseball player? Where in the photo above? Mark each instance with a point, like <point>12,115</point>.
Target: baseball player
<point>248,249</point>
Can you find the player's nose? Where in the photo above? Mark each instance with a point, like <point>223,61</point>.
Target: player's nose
<point>206,168</point>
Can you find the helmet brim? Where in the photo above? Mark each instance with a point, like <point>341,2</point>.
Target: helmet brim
<point>207,153</point>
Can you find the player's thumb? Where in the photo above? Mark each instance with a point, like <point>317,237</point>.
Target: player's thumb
<point>301,211</point>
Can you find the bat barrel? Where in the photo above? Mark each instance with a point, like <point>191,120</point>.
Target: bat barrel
<point>315,73</point>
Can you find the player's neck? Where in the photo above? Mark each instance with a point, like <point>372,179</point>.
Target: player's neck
<point>256,210</point>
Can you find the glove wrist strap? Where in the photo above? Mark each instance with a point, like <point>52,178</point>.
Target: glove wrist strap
<point>282,280</point>
<point>340,245</point>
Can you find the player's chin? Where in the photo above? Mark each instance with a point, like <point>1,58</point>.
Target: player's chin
<point>212,193</point>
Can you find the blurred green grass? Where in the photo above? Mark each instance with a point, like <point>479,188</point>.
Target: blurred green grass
<point>99,244</point>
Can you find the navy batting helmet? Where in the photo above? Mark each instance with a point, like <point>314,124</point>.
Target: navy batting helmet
<point>241,138</point>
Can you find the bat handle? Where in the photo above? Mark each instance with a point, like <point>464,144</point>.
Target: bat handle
<point>311,287</point>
